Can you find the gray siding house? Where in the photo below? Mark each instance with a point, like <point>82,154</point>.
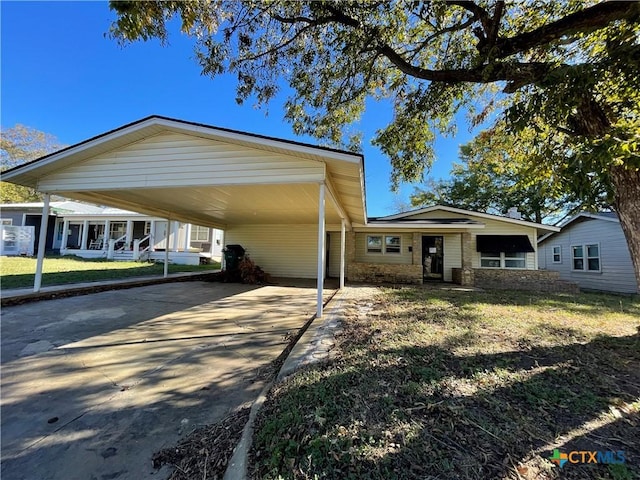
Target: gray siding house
<point>590,250</point>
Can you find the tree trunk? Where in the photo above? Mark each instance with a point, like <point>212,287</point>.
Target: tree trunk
<point>626,183</point>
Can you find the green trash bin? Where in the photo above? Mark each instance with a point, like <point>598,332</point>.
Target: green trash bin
<point>233,255</point>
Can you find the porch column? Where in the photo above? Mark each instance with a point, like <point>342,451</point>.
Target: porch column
<point>129,234</point>
<point>65,235</point>
<point>187,237</point>
<point>467,264</point>
<point>342,252</point>
<point>321,248</point>
<point>107,235</point>
<point>152,232</point>
<point>212,239</point>
<point>166,248</point>
<point>176,232</point>
<point>42,240</point>
<point>85,235</point>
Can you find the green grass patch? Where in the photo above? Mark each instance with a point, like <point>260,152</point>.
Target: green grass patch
<point>469,385</point>
<point>18,272</point>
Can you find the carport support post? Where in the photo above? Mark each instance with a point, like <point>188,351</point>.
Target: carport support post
<point>342,248</point>
<point>166,248</point>
<point>321,247</point>
<point>42,240</point>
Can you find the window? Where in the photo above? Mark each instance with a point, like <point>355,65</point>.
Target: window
<point>556,252</point>
<point>117,230</point>
<point>515,260</point>
<point>7,221</point>
<point>147,228</point>
<point>490,260</point>
<point>199,234</point>
<point>586,257</point>
<point>392,244</point>
<point>503,260</point>
<point>374,244</point>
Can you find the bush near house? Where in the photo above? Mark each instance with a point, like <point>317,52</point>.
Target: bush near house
<point>469,385</point>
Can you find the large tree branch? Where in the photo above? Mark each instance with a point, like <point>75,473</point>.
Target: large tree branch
<point>584,21</point>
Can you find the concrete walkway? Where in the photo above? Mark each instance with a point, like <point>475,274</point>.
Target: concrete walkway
<point>93,385</point>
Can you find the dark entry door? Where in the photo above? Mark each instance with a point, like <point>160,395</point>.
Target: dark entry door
<point>432,258</point>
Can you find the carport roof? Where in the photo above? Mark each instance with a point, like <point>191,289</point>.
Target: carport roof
<point>276,181</point>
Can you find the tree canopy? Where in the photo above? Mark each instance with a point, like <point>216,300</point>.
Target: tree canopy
<point>18,145</point>
<point>569,70</point>
<point>498,171</point>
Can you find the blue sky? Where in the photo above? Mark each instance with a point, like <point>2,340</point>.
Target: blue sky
<point>60,74</point>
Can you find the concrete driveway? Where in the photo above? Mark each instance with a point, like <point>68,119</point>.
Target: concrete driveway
<point>92,386</point>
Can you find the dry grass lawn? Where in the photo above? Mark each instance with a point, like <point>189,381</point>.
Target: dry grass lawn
<point>436,383</point>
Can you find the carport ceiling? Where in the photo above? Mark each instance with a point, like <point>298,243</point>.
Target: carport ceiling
<point>203,175</point>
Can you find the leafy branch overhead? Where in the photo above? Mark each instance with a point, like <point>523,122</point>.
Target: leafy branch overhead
<point>336,54</point>
<point>568,70</point>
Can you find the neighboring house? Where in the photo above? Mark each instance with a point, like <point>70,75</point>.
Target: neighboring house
<point>82,229</point>
<point>590,250</point>
<point>298,209</point>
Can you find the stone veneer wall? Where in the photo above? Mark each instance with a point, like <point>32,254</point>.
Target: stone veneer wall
<point>385,273</point>
<point>532,280</point>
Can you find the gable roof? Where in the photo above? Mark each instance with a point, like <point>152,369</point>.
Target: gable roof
<point>404,217</point>
<point>604,216</point>
<point>69,173</point>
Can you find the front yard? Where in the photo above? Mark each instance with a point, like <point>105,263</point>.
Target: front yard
<point>470,385</point>
<point>18,272</point>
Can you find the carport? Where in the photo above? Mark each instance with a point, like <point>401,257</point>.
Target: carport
<point>284,196</point>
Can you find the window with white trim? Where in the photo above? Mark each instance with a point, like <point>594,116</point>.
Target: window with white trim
<point>199,234</point>
<point>586,258</point>
<point>503,260</point>
<point>556,253</point>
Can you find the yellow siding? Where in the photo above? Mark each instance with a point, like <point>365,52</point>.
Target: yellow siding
<point>173,160</point>
<point>404,257</point>
<point>495,227</point>
<point>452,254</point>
<point>281,250</point>
<point>334,254</point>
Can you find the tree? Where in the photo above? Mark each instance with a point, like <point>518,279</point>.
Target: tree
<point>498,172</point>
<point>19,145</point>
<point>571,67</point>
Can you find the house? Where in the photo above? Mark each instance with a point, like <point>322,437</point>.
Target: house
<point>298,209</point>
<point>590,250</point>
<point>77,228</point>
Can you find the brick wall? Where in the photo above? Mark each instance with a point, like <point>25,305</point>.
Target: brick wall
<point>532,280</point>
<point>385,273</point>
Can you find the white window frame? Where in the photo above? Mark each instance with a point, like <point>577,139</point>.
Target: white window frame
<point>585,258</point>
<point>503,258</point>
<point>553,253</point>
<point>197,231</point>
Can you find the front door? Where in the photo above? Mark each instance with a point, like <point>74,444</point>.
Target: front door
<point>432,258</point>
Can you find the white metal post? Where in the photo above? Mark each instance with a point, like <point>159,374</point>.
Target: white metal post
<point>321,247</point>
<point>42,240</point>
<point>107,235</point>
<point>342,249</point>
<point>166,248</point>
